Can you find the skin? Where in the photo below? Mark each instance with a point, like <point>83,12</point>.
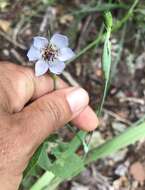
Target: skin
<point>29,111</point>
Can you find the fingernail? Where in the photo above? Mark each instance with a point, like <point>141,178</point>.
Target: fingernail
<point>77,99</point>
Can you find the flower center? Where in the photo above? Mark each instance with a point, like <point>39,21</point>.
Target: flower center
<point>49,53</point>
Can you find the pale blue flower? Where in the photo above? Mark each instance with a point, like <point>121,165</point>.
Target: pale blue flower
<point>50,54</point>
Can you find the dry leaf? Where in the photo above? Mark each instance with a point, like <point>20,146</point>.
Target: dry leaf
<point>5,25</point>
<point>66,19</point>
<point>3,4</point>
<point>138,172</point>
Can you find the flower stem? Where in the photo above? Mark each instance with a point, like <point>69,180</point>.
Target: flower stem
<point>54,77</point>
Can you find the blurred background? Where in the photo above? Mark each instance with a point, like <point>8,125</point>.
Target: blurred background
<point>82,22</point>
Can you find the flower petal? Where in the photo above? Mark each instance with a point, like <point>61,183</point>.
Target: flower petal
<point>33,54</point>
<point>41,67</point>
<point>60,41</point>
<point>66,54</point>
<point>40,42</point>
<point>56,66</point>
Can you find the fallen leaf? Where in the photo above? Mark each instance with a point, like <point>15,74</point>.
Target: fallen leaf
<point>99,72</point>
<point>95,140</point>
<point>138,172</point>
<point>65,19</point>
<point>121,183</point>
<point>5,25</point>
<point>3,4</point>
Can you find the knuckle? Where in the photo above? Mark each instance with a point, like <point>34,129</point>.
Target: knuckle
<point>14,83</point>
<point>53,110</point>
<point>11,103</point>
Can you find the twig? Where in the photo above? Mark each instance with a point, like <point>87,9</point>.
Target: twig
<point>25,27</point>
<point>48,20</point>
<point>133,100</point>
<point>18,57</point>
<point>83,32</point>
<point>117,58</point>
<point>17,29</point>
<point>70,79</point>
<point>116,116</point>
<point>9,39</point>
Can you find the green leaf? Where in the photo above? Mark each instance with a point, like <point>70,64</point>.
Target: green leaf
<point>108,19</point>
<point>69,163</point>
<point>106,58</point>
<point>57,151</point>
<point>130,136</point>
<point>43,160</point>
<point>40,158</point>
<point>67,166</point>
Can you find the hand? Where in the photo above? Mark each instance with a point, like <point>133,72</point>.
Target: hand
<point>29,111</point>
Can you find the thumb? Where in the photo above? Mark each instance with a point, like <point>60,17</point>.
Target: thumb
<point>50,112</point>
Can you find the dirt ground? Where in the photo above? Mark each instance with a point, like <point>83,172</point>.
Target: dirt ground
<point>125,103</point>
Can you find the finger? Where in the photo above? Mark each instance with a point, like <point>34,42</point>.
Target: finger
<point>50,112</point>
<point>45,84</point>
<point>22,83</point>
<point>86,120</point>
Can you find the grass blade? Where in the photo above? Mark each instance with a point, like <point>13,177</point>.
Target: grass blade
<point>129,137</point>
<point>100,8</point>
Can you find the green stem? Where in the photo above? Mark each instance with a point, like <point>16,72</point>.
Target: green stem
<point>76,141</point>
<point>88,47</point>
<point>54,77</point>
<point>43,181</point>
<point>126,17</point>
<point>101,36</point>
<point>99,111</point>
<point>74,132</point>
<point>100,8</point>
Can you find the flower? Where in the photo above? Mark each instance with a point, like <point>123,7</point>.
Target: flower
<point>50,54</point>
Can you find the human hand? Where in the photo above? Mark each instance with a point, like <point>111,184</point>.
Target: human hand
<point>29,111</point>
